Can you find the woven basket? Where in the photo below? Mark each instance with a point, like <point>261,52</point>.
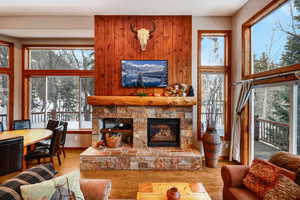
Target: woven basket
<point>113,141</point>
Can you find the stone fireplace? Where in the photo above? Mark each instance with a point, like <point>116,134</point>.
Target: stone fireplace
<point>163,132</point>
<point>162,135</point>
<point>141,115</point>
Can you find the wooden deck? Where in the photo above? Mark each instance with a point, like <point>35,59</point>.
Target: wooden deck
<point>263,151</point>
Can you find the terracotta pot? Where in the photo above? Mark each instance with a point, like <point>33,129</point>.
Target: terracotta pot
<point>173,194</point>
<point>212,145</point>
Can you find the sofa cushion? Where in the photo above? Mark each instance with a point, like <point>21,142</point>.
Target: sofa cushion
<point>10,189</point>
<point>288,161</point>
<point>284,189</point>
<point>242,193</point>
<point>62,187</point>
<point>262,176</point>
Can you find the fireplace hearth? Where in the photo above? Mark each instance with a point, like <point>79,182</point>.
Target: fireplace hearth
<point>163,132</point>
<point>168,145</point>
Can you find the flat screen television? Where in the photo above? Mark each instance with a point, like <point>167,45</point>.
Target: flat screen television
<point>144,73</point>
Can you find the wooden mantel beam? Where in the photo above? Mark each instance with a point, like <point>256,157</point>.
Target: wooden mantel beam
<point>141,101</point>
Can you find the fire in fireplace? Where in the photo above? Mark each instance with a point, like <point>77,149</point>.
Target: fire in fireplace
<point>163,132</point>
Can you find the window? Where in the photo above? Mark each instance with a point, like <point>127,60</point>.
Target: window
<point>272,109</point>
<point>212,84</point>
<point>61,59</point>
<point>59,81</point>
<point>213,78</point>
<point>4,55</point>
<point>273,40</point>
<point>61,98</point>
<point>298,119</point>
<point>212,53</point>
<point>4,99</point>
<point>6,84</point>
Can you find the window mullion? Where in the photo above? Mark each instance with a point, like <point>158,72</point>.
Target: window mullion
<point>46,99</point>
<point>293,120</point>
<point>80,125</point>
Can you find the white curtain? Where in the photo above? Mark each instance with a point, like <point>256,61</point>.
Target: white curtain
<point>244,95</point>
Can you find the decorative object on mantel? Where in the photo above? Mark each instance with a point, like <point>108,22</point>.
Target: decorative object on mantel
<point>143,35</point>
<point>176,90</point>
<point>173,194</point>
<point>211,139</point>
<point>191,91</point>
<point>141,94</point>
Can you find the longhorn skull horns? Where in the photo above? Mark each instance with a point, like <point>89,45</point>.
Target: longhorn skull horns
<point>143,35</point>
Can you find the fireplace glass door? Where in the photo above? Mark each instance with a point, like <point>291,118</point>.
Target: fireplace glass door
<point>163,132</point>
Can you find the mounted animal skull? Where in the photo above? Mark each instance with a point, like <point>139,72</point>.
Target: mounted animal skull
<point>143,35</point>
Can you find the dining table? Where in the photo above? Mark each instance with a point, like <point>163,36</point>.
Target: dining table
<point>30,136</point>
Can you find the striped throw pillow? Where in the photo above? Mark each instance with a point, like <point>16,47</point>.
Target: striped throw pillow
<point>10,189</point>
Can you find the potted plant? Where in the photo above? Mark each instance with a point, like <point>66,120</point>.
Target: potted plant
<point>211,139</point>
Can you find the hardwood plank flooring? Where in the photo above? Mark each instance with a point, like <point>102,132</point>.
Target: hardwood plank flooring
<point>125,182</point>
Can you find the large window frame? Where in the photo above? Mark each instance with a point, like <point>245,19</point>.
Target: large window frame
<point>9,71</point>
<point>293,116</point>
<point>271,77</point>
<point>225,70</point>
<point>247,48</point>
<point>28,73</point>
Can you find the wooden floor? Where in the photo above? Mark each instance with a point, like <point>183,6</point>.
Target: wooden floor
<point>125,182</point>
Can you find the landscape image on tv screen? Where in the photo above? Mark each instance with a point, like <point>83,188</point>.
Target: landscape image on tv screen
<point>144,73</point>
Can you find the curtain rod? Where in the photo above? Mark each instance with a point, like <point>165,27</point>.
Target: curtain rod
<point>296,73</point>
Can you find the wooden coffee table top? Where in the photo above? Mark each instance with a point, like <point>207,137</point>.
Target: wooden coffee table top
<point>157,191</point>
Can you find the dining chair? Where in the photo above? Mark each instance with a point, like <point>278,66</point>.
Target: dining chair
<point>1,127</point>
<point>11,155</point>
<point>51,125</point>
<point>47,152</point>
<point>21,124</point>
<point>63,138</point>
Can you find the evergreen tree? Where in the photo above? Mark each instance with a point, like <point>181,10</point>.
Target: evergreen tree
<point>290,56</point>
<point>280,106</point>
<point>263,63</point>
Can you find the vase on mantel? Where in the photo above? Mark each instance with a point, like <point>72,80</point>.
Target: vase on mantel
<point>212,146</point>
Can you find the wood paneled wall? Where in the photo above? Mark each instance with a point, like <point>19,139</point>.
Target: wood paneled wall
<point>114,42</point>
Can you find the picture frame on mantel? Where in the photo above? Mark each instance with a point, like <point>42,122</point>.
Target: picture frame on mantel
<point>144,73</point>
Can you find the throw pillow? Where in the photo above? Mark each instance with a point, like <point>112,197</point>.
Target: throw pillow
<point>288,161</point>
<point>284,189</point>
<point>58,188</point>
<point>10,189</point>
<point>262,176</point>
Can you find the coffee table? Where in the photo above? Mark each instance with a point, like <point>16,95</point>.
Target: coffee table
<point>157,191</point>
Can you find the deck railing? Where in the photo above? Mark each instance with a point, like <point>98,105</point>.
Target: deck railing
<point>272,133</point>
<point>39,117</point>
<point>3,118</point>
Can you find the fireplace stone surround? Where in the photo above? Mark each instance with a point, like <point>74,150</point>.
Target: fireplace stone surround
<point>139,156</point>
<point>140,116</point>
